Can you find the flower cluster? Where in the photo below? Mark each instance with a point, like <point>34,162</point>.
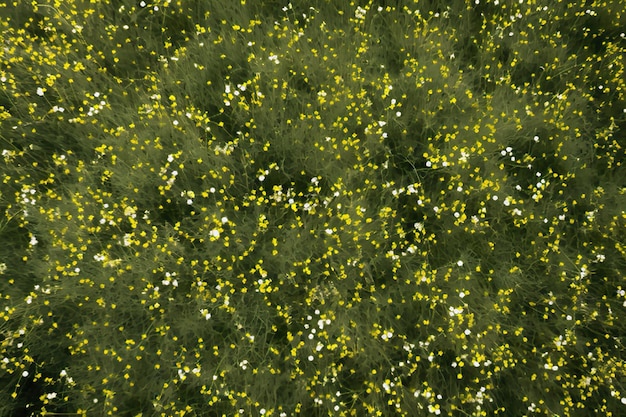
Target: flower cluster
<point>337,208</point>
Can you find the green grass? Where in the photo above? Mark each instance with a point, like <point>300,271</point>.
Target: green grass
<point>323,208</point>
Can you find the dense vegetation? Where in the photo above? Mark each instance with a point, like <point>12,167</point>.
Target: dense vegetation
<point>320,208</point>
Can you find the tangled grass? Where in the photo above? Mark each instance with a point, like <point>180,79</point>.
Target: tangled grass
<point>341,208</point>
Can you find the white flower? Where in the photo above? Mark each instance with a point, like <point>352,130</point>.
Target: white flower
<point>360,13</point>
<point>387,335</point>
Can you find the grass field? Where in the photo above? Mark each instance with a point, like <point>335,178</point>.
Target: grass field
<point>320,208</point>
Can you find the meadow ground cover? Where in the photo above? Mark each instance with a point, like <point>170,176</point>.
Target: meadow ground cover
<point>321,208</point>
